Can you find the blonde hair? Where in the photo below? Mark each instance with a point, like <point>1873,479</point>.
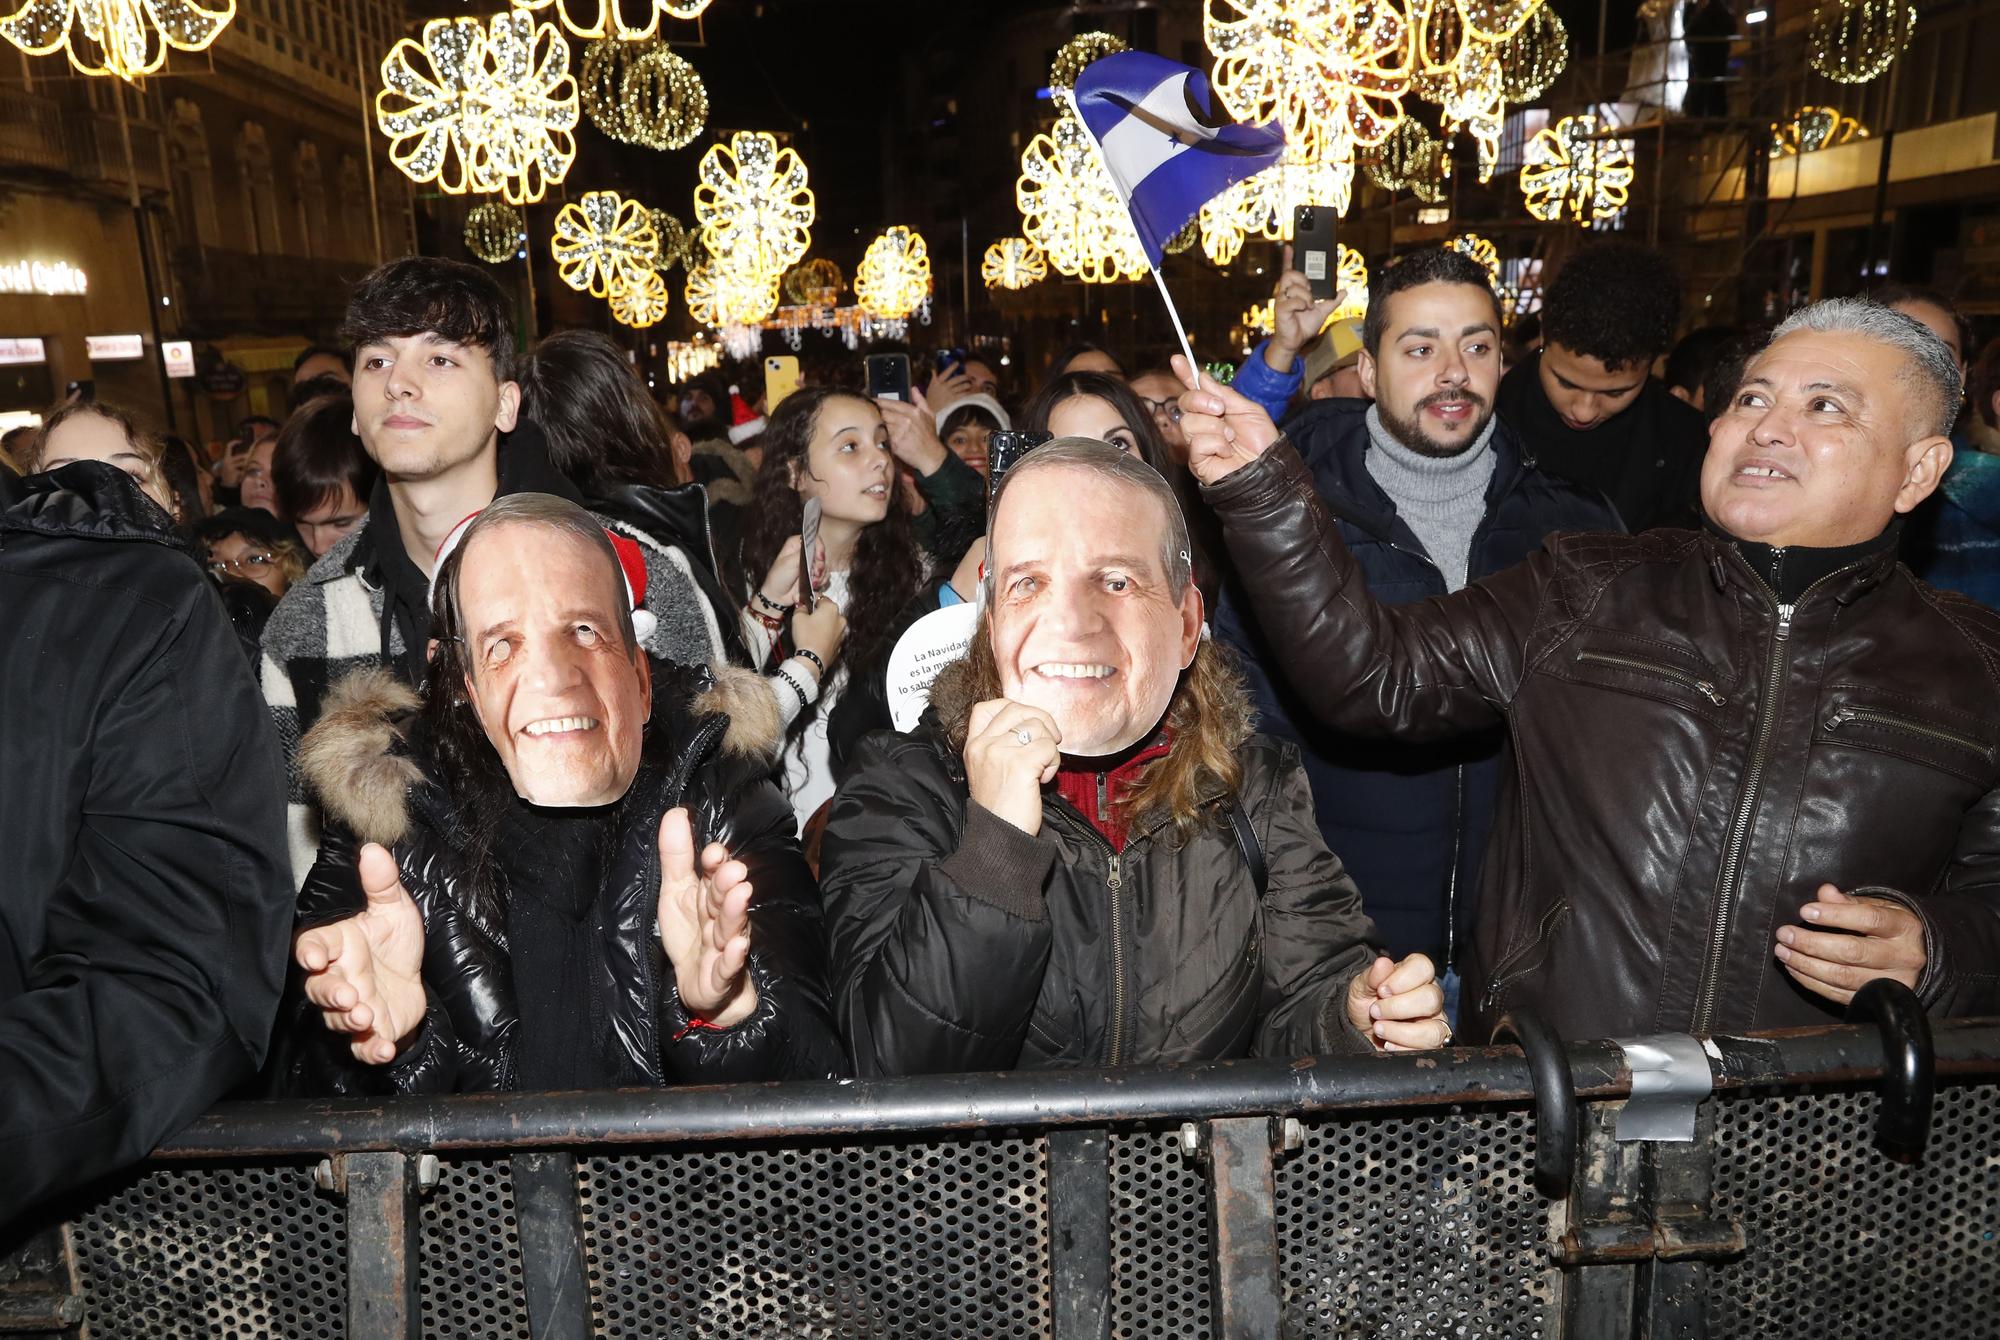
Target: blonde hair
<point>150,449</point>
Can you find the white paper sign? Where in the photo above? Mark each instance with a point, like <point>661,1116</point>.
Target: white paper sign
<point>932,643</point>
<point>179,356</point>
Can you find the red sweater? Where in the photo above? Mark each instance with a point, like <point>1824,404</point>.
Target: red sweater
<point>1097,795</point>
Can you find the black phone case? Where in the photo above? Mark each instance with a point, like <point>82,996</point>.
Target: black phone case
<point>1316,248</point>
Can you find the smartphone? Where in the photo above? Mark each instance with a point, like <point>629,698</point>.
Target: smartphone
<point>889,376</point>
<point>947,357</point>
<point>1003,448</point>
<point>1316,248</point>
<point>808,538</point>
<point>781,378</point>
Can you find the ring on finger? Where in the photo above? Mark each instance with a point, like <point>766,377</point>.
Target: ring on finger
<point>1024,735</point>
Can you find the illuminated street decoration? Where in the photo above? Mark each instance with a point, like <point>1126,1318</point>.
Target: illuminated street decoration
<point>483,109</point>
<point>721,297</point>
<point>640,92</point>
<point>1262,206</point>
<point>607,18</point>
<point>895,275</point>
<point>1475,103</point>
<point>1013,263</point>
<point>1351,279</point>
<point>816,282</point>
<point>495,232</point>
<point>1481,250</point>
<point>1411,159</point>
<point>1814,128</point>
<point>1571,175</point>
<point>674,240</point>
<point>603,243</point>
<point>1333,75</point>
<point>1533,58</point>
<point>1076,53</point>
<point>753,206</point>
<point>1070,209</point>
<point>1854,41</point>
<point>122,38</point>
<point>642,302</point>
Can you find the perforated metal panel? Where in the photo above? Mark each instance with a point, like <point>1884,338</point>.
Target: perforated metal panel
<point>1418,1225</point>
<point>1846,1242</point>
<point>912,1239</point>
<point>1160,1261</point>
<point>215,1254</point>
<point>470,1253</point>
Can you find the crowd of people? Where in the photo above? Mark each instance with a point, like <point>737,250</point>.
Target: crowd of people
<point>487,724</point>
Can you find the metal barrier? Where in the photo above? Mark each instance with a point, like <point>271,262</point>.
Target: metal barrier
<point>1337,1197</point>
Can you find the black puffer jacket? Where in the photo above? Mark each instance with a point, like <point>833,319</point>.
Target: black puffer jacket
<point>961,943</point>
<point>706,748</point>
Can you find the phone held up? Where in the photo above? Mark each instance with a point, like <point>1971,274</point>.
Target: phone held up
<point>1003,449</point>
<point>1316,248</point>
<point>889,377</point>
<point>781,378</point>
<point>808,541</point>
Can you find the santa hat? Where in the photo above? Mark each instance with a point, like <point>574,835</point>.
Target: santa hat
<point>744,422</point>
<point>631,563</point>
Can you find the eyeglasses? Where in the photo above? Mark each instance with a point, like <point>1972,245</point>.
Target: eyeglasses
<point>1158,408</point>
<point>248,565</point>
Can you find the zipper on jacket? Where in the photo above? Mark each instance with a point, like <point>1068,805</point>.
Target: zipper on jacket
<point>1516,965</point>
<point>1451,884</point>
<point>1706,688</point>
<point>1114,881</point>
<point>1739,828</point>
<point>1841,716</point>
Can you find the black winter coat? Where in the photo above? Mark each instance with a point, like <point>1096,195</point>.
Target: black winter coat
<point>959,942</point>
<point>1409,818</point>
<point>706,748</point>
<point>145,904</point>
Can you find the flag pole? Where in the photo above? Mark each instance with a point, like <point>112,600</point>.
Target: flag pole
<point>1173,314</point>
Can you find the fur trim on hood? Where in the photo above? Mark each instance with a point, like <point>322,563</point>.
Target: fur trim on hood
<point>350,761</point>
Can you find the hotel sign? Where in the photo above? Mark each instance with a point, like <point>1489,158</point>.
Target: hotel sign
<point>54,278</point>
<point>113,348</point>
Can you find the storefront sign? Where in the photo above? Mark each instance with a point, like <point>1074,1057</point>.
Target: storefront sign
<point>14,352</point>
<point>50,277</point>
<point>113,348</point>
<point>224,381</point>
<point>179,357</point>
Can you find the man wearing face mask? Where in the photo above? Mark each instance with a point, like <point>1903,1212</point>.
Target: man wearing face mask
<point>1084,855</point>
<point>571,869</point>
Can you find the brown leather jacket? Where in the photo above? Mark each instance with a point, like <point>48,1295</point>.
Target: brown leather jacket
<point>1692,760</point>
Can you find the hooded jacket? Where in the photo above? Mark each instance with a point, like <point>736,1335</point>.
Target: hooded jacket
<point>1692,757</point>
<point>708,747</point>
<point>146,903</point>
<point>959,942</point>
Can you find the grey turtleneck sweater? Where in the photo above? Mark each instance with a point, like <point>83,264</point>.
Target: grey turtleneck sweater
<point>1442,498</point>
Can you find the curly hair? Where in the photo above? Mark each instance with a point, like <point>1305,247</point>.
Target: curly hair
<point>888,562</point>
<point>1616,301</point>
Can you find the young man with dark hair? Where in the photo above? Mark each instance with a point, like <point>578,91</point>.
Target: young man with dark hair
<point>1431,491</point>
<point>1698,353</point>
<point>437,408</point>
<point>323,477</point>
<point>318,361</point>
<point>1587,406</point>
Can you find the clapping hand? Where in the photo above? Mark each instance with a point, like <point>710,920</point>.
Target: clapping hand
<point>365,972</point>
<point>705,924</point>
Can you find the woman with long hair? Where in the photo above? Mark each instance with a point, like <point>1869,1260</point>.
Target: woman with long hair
<point>89,430</point>
<point>867,564</point>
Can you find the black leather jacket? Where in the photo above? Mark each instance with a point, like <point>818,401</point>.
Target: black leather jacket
<point>705,749</point>
<point>1692,758</point>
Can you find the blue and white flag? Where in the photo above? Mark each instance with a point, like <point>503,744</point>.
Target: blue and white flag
<point>1166,142</point>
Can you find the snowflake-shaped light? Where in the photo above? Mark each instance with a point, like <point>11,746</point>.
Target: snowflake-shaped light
<point>1814,128</point>
<point>1261,206</point>
<point>723,297</point>
<point>125,38</point>
<point>1070,209</point>
<point>1332,72</point>
<point>1013,263</point>
<point>483,109</point>
<point>1351,278</point>
<point>895,275</point>
<point>1475,102</point>
<point>1571,174</point>
<point>641,303</point>
<point>752,204</point>
<point>606,18</point>
<point>1442,30</point>
<point>1479,249</point>
<point>604,243</point>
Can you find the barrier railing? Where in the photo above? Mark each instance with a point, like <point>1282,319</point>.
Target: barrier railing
<point>1805,1183</point>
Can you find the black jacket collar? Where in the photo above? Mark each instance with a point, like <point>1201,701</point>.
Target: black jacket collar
<point>1789,572</point>
<point>84,500</point>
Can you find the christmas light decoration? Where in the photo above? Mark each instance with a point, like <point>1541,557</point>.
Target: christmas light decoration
<point>1534,58</point>
<point>481,108</point>
<point>1072,212</point>
<point>895,275</point>
<point>1013,263</point>
<point>1261,206</point>
<point>1481,250</point>
<point>674,240</point>
<point>1854,41</point>
<point>495,232</point>
<point>753,206</point>
<point>122,38</point>
<point>686,358</point>
<point>722,297</point>
<point>1076,53</point>
<point>1262,318</point>
<point>1333,75</point>
<point>1814,128</point>
<point>603,243</point>
<point>606,18</point>
<point>640,92</point>
<point>1350,279</point>
<point>1411,159</point>
<point>1571,174</point>
<point>641,303</point>
<point>814,283</point>
<point>1185,239</point>
<point>1475,102</point>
